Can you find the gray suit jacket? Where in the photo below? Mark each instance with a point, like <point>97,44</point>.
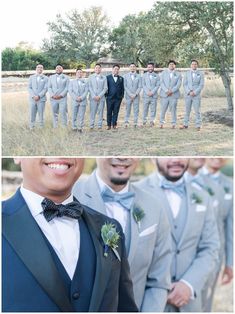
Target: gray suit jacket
<point>150,85</point>
<point>59,88</point>
<point>132,87</point>
<point>195,84</point>
<point>97,86</point>
<point>38,88</point>
<point>224,216</point>
<point>78,90</point>
<point>149,255</point>
<point>196,253</point>
<point>168,83</point>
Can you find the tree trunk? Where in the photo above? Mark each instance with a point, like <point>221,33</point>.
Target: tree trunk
<point>227,85</point>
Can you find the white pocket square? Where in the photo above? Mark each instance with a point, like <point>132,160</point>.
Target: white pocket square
<point>228,196</point>
<point>148,230</point>
<point>200,208</point>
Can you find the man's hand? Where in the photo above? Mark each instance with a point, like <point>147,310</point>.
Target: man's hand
<point>132,97</point>
<point>192,93</point>
<point>150,94</point>
<point>97,98</point>
<point>36,98</point>
<point>79,99</point>
<point>169,92</point>
<point>227,275</point>
<point>57,97</point>
<point>180,294</point>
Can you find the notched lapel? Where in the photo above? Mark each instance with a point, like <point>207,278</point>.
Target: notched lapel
<point>24,235</point>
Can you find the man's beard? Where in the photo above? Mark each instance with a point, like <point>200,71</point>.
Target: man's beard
<point>167,176</point>
<point>119,181</point>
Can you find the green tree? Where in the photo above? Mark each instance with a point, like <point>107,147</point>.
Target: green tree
<point>211,24</point>
<point>78,36</point>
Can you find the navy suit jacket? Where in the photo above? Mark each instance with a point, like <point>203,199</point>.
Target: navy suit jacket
<point>30,279</point>
<point>115,90</point>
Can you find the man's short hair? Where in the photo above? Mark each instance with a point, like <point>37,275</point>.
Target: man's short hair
<point>98,64</point>
<point>59,65</point>
<point>194,60</point>
<point>116,65</point>
<point>171,61</point>
<point>78,69</point>
<point>133,64</point>
<point>150,63</point>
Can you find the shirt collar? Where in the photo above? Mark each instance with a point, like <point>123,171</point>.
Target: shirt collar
<point>34,200</point>
<point>103,185</point>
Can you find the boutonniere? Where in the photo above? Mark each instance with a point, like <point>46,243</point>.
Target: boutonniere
<point>226,189</point>
<point>138,214</point>
<point>196,199</point>
<point>110,238</point>
<point>210,191</point>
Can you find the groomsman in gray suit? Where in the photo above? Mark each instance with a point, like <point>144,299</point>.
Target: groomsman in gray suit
<point>132,86</point>
<point>58,89</point>
<point>145,225</point>
<point>194,232</point>
<point>37,96</point>
<point>78,90</point>
<point>151,84</point>
<point>169,92</point>
<point>97,89</point>
<point>193,84</point>
<point>211,172</point>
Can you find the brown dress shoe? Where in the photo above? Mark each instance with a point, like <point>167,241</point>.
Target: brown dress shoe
<point>199,129</point>
<point>183,127</point>
<point>115,127</point>
<point>161,126</point>
<point>109,128</point>
<point>173,127</point>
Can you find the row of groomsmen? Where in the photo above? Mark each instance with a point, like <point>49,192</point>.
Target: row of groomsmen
<point>112,88</point>
<point>177,222</point>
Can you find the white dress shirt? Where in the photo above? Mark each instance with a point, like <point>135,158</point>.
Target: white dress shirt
<point>115,78</point>
<point>63,233</point>
<point>113,209</point>
<point>57,78</point>
<point>132,77</point>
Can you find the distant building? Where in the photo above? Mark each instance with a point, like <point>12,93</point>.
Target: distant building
<point>108,62</point>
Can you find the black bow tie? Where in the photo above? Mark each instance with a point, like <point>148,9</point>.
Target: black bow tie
<point>51,210</point>
<point>115,75</point>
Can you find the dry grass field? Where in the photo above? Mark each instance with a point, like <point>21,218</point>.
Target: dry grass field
<point>214,138</point>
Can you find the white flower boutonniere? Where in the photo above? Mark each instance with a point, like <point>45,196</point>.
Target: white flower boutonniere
<point>110,237</point>
<point>196,199</point>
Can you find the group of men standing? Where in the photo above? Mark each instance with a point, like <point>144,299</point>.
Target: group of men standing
<point>111,89</point>
<point>175,228</point>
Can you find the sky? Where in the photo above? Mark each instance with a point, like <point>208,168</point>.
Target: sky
<point>25,20</point>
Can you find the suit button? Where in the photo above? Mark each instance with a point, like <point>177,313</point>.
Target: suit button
<point>76,295</point>
<point>178,252</point>
<point>175,226</point>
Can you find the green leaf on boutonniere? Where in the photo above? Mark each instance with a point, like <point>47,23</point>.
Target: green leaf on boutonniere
<point>110,238</point>
<point>210,191</point>
<point>226,189</point>
<point>196,199</point>
<point>138,214</point>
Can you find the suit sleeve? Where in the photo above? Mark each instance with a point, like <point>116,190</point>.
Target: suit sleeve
<point>126,88</point>
<point>126,302</point>
<point>105,88</point>
<point>71,92</point>
<point>178,84</point>
<point>65,91</point>
<point>162,83</point>
<point>229,238</point>
<point>91,90</point>
<point>122,88</point>
<point>207,253</point>
<point>201,85</point>
<point>185,84</point>
<point>145,88</point>
<point>50,87</point>
<point>139,86</point>
<point>158,279</point>
<point>44,90</point>
<point>30,87</point>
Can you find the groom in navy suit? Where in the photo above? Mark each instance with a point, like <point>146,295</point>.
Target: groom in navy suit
<point>52,251</point>
<point>114,96</point>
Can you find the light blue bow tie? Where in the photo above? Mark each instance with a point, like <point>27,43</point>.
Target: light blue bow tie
<point>177,188</point>
<point>125,199</point>
<point>215,178</point>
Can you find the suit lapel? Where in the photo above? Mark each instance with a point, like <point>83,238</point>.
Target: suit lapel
<point>103,264</point>
<point>24,235</point>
